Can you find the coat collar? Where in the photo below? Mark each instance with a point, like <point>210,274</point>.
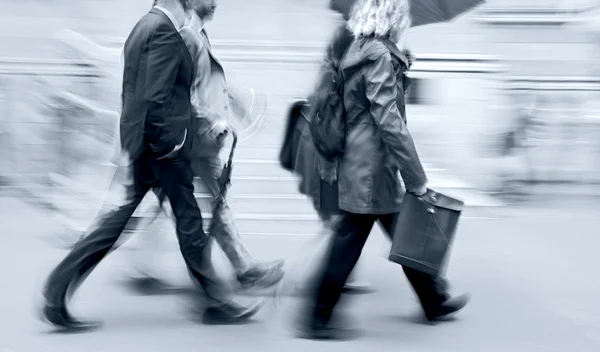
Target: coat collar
<point>196,22</point>
<point>368,49</point>
<point>169,15</point>
<point>393,48</point>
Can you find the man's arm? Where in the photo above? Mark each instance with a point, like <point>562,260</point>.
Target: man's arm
<point>162,65</point>
<point>196,48</point>
<point>207,123</point>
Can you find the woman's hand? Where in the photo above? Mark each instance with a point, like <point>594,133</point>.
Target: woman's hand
<point>409,57</point>
<point>419,192</point>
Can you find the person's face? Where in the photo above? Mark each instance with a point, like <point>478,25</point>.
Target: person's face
<point>204,8</point>
<point>342,6</point>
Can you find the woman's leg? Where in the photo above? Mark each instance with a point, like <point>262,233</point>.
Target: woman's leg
<point>351,233</point>
<point>432,291</point>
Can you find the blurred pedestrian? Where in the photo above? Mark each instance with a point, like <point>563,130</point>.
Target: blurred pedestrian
<point>318,177</point>
<point>155,119</point>
<point>211,103</point>
<point>377,146</point>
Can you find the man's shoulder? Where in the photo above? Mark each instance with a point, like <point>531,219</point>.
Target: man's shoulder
<point>150,24</point>
<point>191,39</point>
<point>189,35</point>
<point>154,23</point>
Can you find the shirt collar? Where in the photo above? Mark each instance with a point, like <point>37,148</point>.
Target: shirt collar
<point>196,22</point>
<point>170,16</point>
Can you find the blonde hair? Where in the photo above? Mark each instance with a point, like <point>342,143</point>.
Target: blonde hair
<point>381,18</point>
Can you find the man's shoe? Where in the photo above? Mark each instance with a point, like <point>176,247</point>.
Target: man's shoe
<point>447,308</point>
<point>60,318</point>
<point>262,276</point>
<point>230,314</point>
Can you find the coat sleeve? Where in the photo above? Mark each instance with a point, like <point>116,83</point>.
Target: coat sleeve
<point>162,66</point>
<point>382,93</point>
<point>196,48</point>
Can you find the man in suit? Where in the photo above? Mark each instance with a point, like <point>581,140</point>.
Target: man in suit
<point>155,121</point>
<point>212,104</point>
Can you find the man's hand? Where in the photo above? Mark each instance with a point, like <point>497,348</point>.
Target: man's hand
<point>176,149</point>
<point>219,132</point>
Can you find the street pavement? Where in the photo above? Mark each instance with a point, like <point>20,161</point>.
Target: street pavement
<point>532,273</point>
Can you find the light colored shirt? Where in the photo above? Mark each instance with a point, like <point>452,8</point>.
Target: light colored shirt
<point>209,95</point>
<point>196,22</point>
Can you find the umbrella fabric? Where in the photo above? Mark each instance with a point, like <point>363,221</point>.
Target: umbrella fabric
<point>422,11</point>
<point>436,11</point>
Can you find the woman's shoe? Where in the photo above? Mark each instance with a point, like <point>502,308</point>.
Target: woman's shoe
<point>449,307</point>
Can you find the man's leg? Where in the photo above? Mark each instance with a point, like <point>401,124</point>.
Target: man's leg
<point>249,271</point>
<point>176,179</point>
<point>146,258</point>
<point>87,253</point>
<point>432,291</point>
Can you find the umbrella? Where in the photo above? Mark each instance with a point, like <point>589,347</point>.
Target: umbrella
<point>436,11</point>
<point>422,11</point>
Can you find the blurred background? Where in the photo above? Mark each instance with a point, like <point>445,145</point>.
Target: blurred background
<point>504,100</point>
<point>504,108</point>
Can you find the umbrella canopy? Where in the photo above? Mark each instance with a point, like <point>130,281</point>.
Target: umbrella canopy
<point>436,11</point>
<point>422,11</point>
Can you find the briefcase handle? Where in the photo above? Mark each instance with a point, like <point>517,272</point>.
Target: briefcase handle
<point>439,200</point>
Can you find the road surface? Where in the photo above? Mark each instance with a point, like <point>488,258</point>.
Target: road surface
<point>532,273</point>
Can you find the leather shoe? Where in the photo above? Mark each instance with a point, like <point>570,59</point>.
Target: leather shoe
<point>61,319</point>
<point>447,308</point>
<point>229,314</point>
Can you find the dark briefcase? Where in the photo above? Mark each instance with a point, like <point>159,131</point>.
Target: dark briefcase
<point>424,232</point>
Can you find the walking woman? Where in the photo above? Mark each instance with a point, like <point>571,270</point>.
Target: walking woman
<point>318,177</point>
<point>378,146</point>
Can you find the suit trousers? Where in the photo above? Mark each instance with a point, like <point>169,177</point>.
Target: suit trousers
<point>208,170</point>
<point>350,235</point>
<point>130,185</point>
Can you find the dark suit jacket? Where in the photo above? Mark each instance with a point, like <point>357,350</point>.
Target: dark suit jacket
<point>158,72</point>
